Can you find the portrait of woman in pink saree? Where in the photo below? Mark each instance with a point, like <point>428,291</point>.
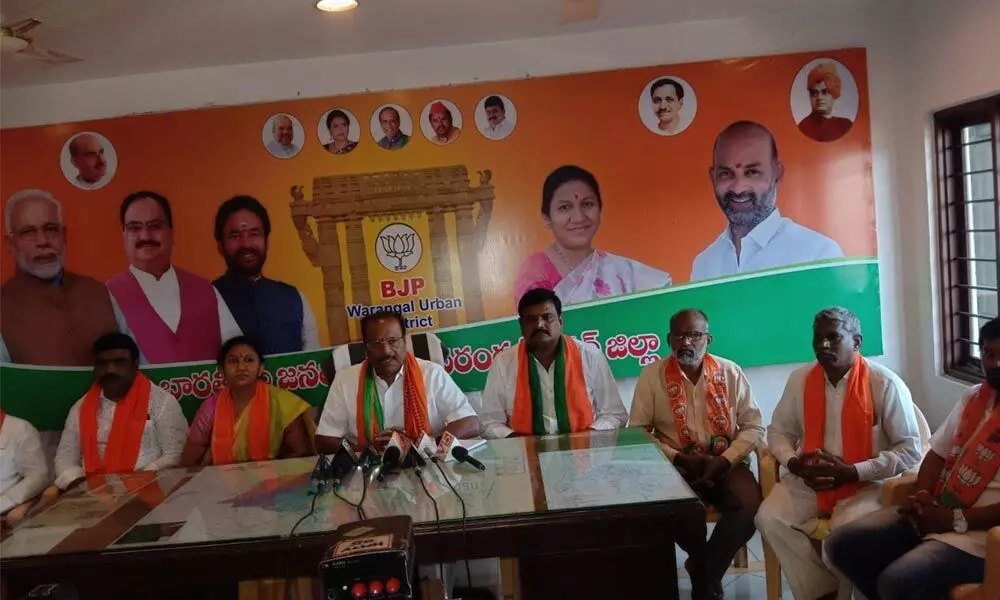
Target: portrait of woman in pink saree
<point>571,266</point>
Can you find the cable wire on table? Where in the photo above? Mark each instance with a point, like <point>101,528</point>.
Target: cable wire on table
<point>465,540</point>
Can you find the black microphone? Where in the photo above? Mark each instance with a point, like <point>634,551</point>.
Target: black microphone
<point>414,459</point>
<point>369,459</point>
<point>319,473</point>
<point>460,454</point>
<point>342,464</point>
<point>390,461</point>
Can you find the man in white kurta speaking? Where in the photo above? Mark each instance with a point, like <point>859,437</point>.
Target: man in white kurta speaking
<point>549,383</point>
<point>746,173</point>
<point>843,424</point>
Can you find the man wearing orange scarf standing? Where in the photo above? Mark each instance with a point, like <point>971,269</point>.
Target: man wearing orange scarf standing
<point>937,539</point>
<point>702,411</point>
<point>124,423</point>
<point>842,425</point>
<point>392,391</point>
<point>549,383</point>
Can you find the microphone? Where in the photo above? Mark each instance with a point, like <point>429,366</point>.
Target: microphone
<point>369,460</point>
<point>448,443</point>
<point>414,459</point>
<point>342,464</point>
<point>462,455</point>
<point>427,447</point>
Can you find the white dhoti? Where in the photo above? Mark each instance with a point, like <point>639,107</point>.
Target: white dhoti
<point>787,517</point>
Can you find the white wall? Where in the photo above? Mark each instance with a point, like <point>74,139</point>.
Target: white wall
<point>878,29</point>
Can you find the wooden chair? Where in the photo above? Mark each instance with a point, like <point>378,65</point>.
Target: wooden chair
<point>770,476</point>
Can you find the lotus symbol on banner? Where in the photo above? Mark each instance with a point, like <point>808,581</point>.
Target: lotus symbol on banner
<point>398,247</point>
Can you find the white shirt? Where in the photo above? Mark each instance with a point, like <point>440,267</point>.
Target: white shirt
<point>774,242</point>
<point>86,185</point>
<point>165,296</point>
<point>501,383</point>
<point>23,470</point>
<point>281,150</point>
<point>445,401</point>
<point>310,332</point>
<point>895,437</point>
<point>502,130</point>
<point>973,542</point>
<point>162,439</point>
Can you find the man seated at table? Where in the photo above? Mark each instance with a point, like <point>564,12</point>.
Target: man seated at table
<point>392,391</point>
<point>23,470</point>
<point>842,425</point>
<point>702,411</point>
<point>549,383</point>
<point>937,539</point>
<point>124,423</point>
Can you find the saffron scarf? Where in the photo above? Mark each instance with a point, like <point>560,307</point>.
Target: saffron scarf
<point>371,421</point>
<point>856,422</point>
<point>974,458</point>
<point>574,411</point>
<point>258,432</point>
<point>127,426</point>
<point>720,423</point>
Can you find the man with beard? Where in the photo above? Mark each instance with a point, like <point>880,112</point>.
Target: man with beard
<point>667,96</point>
<point>746,174</point>
<point>549,383</point>
<point>701,410</point>
<point>276,315</point>
<point>842,426</point>
<point>824,87</point>
<point>87,154</point>
<point>176,316</point>
<point>50,315</point>
<point>124,423</point>
<point>937,539</point>
<point>442,123</point>
<point>392,391</point>
<point>282,144</point>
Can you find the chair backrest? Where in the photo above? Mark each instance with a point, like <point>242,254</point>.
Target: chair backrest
<point>423,345</point>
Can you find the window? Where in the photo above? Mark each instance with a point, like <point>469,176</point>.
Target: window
<point>967,145</point>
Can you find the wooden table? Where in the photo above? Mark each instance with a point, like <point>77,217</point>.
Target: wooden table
<point>588,515</point>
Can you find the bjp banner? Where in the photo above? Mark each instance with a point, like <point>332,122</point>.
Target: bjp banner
<point>742,187</point>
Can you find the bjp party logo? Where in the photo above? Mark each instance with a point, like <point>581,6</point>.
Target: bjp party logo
<point>398,247</point>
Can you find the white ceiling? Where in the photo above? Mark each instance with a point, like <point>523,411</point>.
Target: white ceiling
<point>125,37</point>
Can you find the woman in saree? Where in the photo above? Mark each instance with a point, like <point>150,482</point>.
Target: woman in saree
<point>571,266</point>
<point>248,420</point>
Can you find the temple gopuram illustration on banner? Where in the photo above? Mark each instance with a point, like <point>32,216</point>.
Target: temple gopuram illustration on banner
<point>369,235</point>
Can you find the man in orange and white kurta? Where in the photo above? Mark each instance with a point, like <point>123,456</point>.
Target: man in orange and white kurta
<point>567,388</point>
<point>392,391</point>
<point>843,425</point>
<point>701,410</point>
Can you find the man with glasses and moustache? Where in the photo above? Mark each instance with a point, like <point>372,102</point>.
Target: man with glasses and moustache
<point>392,391</point>
<point>50,315</point>
<point>702,411</point>
<point>746,173</point>
<point>176,316</point>
<point>549,383</point>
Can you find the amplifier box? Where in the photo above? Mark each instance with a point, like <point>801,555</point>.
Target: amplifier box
<point>370,559</point>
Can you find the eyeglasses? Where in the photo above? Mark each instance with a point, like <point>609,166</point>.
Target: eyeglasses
<point>691,336</point>
<point>137,227</point>
<point>376,344</point>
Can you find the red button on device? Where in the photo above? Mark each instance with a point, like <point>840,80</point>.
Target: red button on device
<point>392,586</point>
<point>375,588</point>
<point>359,590</point>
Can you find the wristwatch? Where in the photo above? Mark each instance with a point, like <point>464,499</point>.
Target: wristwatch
<point>960,525</point>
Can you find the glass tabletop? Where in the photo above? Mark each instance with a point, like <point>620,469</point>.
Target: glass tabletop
<point>265,500</point>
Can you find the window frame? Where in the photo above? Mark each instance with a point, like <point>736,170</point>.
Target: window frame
<point>957,315</point>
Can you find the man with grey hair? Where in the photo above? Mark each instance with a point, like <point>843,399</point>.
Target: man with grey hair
<point>746,173</point>
<point>282,144</point>
<point>50,316</point>
<point>86,153</point>
<point>842,426</point>
<point>702,411</point>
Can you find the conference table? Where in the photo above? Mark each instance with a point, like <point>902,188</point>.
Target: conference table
<point>587,515</point>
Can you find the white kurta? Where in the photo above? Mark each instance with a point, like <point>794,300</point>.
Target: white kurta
<point>162,439</point>
<point>501,383</point>
<point>164,294</point>
<point>23,470</point>
<point>789,513</point>
<point>445,401</point>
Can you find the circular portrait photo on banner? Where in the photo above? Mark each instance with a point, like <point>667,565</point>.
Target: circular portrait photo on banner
<point>88,160</point>
<point>391,126</point>
<point>667,105</point>
<point>824,100</point>
<point>441,122</point>
<point>496,117</point>
<point>283,136</point>
<point>339,131</point>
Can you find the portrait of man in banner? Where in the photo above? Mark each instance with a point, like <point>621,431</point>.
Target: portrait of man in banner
<point>283,136</point>
<point>831,94</point>
<point>496,117</point>
<point>89,160</point>
<point>441,122</point>
<point>391,126</point>
<point>667,105</point>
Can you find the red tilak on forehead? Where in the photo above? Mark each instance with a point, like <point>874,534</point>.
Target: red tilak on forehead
<point>576,196</point>
<point>739,165</point>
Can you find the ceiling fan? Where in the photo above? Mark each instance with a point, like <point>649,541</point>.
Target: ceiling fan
<point>15,41</point>
<point>580,10</point>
